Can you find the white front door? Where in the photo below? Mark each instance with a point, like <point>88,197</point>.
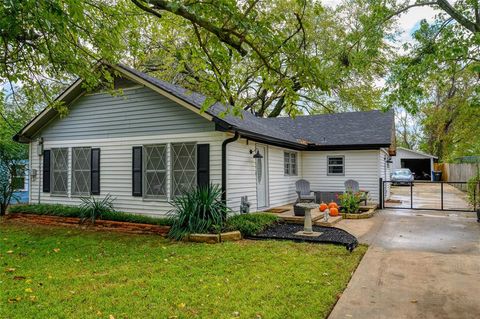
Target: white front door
<point>261,174</point>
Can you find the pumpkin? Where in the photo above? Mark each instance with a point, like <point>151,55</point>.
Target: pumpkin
<point>323,207</point>
<point>333,205</point>
<point>333,211</point>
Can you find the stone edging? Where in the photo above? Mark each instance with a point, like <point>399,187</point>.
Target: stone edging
<point>126,227</point>
<point>369,213</point>
<point>215,238</point>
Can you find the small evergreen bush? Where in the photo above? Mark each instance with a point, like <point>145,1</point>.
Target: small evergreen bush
<point>250,224</point>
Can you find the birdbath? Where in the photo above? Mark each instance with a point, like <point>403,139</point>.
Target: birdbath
<point>307,226</point>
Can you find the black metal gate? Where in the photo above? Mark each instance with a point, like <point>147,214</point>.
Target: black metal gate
<point>429,195</point>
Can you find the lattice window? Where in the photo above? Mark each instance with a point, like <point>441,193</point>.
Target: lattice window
<point>290,163</point>
<point>155,171</point>
<point>184,167</point>
<point>59,171</point>
<point>81,170</point>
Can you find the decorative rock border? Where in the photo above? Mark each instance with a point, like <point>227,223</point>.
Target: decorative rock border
<point>126,227</point>
<point>215,238</point>
<point>367,214</point>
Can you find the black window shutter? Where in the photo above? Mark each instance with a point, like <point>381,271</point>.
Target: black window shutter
<point>95,171</point>
<point>137,171</point>
<point>203,164</point>
<point>46,171</point>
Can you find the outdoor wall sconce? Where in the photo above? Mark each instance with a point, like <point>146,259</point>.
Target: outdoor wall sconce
<point>257,153</point>
<point>389,160</point>
<point>40,146</point>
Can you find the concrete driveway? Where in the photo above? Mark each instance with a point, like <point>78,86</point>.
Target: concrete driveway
<point>428,196</point>
<point>419,265</point>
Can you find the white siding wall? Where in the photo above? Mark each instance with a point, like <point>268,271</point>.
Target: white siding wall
<point>282,187</point>
<point>115,124</point>
<point>361,165</point>
<point>384,171</point>
<point>116,169</point>
<point>241,175</point>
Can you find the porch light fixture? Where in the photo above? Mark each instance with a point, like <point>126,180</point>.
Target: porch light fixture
<point>389,160</point>
<point>257,153</point>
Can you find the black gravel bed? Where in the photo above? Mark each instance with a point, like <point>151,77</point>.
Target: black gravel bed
<point>330,235</point>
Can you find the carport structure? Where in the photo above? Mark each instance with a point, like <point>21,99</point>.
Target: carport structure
<point>418,162</point>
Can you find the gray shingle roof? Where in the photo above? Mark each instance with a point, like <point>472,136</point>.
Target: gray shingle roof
<point>325,130</point>
<point>342,130</point>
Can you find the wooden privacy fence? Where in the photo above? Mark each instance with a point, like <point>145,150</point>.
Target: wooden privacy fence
<point>458,172</point>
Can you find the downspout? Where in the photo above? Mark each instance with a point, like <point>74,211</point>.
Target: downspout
<point>224,164</point>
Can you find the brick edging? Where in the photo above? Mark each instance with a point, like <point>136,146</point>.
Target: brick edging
<point>110,225</point>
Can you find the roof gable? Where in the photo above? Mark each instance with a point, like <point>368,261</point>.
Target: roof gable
<point>341,130</point>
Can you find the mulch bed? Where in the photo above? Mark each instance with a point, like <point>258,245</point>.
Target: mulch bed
<point>125,227</point>
<point>330,235</point>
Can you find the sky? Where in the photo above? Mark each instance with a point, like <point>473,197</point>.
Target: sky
<point>408,22</point>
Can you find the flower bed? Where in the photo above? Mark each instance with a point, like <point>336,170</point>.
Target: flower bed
<point>127,227</point>
<point>364,212</point>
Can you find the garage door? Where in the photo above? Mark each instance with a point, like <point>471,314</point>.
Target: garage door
<point>419,166</point>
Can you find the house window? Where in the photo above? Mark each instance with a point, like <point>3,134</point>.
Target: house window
<point>336,165</point>
<point>184,167</point>
<point>81,170</point>
<point>59,171</point>
<point>155,171</point>
<point>19,179</point>
<point>290,163</point>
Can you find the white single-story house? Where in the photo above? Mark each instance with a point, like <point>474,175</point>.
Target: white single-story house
<point>149,143</point>
<point>418,162</point>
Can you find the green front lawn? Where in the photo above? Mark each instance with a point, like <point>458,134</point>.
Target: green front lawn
<point>51,272</point>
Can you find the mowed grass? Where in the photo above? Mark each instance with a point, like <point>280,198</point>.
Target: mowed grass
<point>51,272</point>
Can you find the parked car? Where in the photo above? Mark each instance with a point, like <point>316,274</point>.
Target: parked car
<point>402,176</point>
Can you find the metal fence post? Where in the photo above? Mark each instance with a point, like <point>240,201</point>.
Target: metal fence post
<point>380,192</point>
<point>411,195</point>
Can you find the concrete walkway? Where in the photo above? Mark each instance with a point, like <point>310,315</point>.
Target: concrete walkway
<point>419,265</point>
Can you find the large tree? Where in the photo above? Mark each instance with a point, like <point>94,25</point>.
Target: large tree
<point>438,80</point>
<point>270,57</point>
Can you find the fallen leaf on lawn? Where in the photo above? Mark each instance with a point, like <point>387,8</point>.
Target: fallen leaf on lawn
<point>18,277</point>
<point>181,305</point>
<point>236,314</point>
<point>16,299</point>
<point>10,270</point>
<point>33,298</point>
<point>111,317</point>
<point>10,252</point>
<point>28,290</point>
<point>99,313</point>
<point>50,277</point>
<point>28,281</point>
<point>56,250</point>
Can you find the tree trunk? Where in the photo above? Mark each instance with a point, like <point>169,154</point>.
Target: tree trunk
<point>3,209</point>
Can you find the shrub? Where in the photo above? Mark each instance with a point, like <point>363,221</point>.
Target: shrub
<point>250,224</point>
<point>76,211</point>
<point>93,208</point>
<point>350,202</point>
<point>198,211</point>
